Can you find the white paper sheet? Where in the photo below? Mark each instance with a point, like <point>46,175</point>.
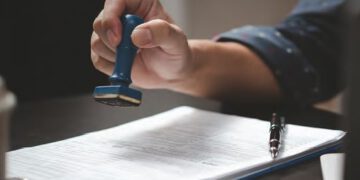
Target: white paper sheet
<point>183,143</point>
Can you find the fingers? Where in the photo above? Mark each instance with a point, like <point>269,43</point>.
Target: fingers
<point>159,33</point>
<point>111,25</point>
<point>102,57</point>
<point>102,64</point>
<point>102,32</point>
<point>108,26</point>
<point>156,38</point>
<point>99,48</point>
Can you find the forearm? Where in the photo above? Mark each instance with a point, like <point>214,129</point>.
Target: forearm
<point>227,72</point>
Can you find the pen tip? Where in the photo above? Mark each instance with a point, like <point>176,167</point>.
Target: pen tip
<point>274,152</point>
<point>273,155</point>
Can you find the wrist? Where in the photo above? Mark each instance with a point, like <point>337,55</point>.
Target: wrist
<point>190,81</point>
<point>227,72</point>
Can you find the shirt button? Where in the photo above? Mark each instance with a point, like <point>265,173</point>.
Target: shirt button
<point>289,50</point>
<point>278,34</point>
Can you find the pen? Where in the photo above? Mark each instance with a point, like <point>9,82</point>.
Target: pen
<point>277,126</point>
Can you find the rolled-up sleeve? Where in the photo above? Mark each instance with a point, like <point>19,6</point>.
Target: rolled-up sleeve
<point>303,51</point>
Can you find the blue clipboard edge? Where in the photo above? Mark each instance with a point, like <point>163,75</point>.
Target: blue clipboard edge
<point>285,163</point>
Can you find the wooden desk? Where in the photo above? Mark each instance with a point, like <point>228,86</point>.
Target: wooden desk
<point>42,122</point>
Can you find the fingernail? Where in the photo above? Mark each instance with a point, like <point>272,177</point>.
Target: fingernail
<point>142,36</point>
<point>111,37</point>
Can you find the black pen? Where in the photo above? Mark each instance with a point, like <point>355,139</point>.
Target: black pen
<point>277,126</point>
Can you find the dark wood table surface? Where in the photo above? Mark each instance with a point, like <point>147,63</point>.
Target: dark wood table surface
<point>39,122</point>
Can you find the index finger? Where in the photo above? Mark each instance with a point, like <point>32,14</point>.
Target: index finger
<point>113,9</point>
<point>111,24</point>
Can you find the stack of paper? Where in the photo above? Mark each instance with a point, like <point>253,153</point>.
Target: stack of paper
<point>183,143</point>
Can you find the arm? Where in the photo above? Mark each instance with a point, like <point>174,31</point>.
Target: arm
<point>167,60</point>
<point>303,52</point>
<point>228,72</point>
<point>247,64</point>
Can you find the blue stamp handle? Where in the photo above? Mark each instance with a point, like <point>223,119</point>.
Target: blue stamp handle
<point>125,52</point>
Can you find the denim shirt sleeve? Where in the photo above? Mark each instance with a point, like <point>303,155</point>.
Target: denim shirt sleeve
<point>303,51</point>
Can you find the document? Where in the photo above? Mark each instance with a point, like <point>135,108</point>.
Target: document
<point>182,143</point>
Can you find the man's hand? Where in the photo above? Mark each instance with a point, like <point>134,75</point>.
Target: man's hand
<point>225,71</point>
<point>164,55</point>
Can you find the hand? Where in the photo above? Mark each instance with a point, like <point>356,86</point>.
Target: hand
<point>164,55</point>
<point>166,59</point>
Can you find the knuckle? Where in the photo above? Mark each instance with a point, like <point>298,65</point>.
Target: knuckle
<point>97,25</point>
<point>97,22</point>
<point>107,23</point>
<point>98,63</point>
<point>160,22</point>
<point>94,58</point>
<point>92,55</point>
<point>178,30</point>
<point>163,26</point>
<point>95,44</point>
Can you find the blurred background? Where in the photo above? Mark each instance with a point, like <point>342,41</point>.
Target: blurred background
<point>206,18</point>
<point>45,47</point>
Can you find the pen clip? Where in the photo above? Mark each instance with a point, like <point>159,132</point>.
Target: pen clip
<point>277,122</point>
<point>282,123</point>
<point>273,122</point>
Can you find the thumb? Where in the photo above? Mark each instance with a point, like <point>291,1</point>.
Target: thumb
<point>160,33</point>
